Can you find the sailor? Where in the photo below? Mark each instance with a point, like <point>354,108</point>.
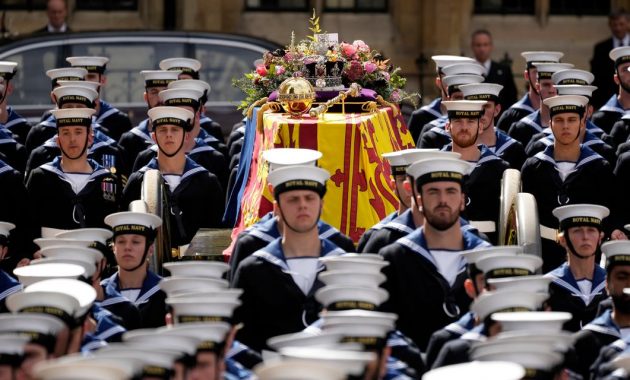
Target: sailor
<point>567,173</point>
<point>614,323</point>
<point>523,129</point>
<point>194,195</point>
<point>591,136</point>
<point>9,119</point>
<point>8,284</point>
<point>138,138</point>
<point>11,355</point>
<point>72,191</point>
<point>197,149</point>
<point>269,227</point>
<point>483,185</point>
<point>530,102</point>
<point>113,121</point>
<point>496,140</point>
<point>579,284</point>
<point>420,117</point>
<point>190,68</point>
<point>615,107</point>
<point>279,281</point>
<point>133,243</point>
<point>434,135</point>
<point>426,273</point>
<point>104,150</point>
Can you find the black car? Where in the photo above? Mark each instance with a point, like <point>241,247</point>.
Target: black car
<point>223,57</point>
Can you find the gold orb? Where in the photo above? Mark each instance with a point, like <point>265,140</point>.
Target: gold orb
<point>296,95</point>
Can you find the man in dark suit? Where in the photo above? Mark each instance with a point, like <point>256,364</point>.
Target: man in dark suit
<point>481,46</point>
<point>601,66</point>
<point>57,11</point>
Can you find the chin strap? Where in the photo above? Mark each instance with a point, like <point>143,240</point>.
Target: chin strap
<point>85,146</point>
<point>284,220</point>
<point>178,149</point>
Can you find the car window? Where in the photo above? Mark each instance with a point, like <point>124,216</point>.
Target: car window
<point>124,82</point>
<point>31,85</point>
<point>219,64</point>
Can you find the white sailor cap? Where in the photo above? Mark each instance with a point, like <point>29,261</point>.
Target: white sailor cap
<point>82,292</point>
<point>546,70</point>
<point>155,362</point>
<point>298,177</point>
<point>354,263</point>
<point>80,83</point>
<point>438,169</point>
<point>203,269</point>
<point>178,116</point>
<point>535,283</point>
<point>66,73</point>
<point>620,55</point>
<point>541,56</point>
<point>487,370</point>
<point>100,235</point>
<point>572,76</point>
<point>505,301</point>
<point>212,335</point>
<point>7,69</point>
<point>559,341</point>
<point>188,66</point>
<point>359,316</point>
<point>481,91</point>
<point>401,159</point>
<point>228,295</point>
<point>298,370</point>
<point>197,309</point>
<point>55,242</point>
<point>84,370</point>
<point>369,335</point>
<point>30,274</point>
<point>91,64</point>
<point>352,361</point>
<point>580,215</point>
<point>538,321</point>
<point>199,85</point>
<point>452,82</point>
<point>73,117</point>
<point>74,94</point>
<point>88,266</point>
<point>566,103</point>
<point>340,297</point>
<point>282,157</point>
<point>305,339</point>
<point>181,97</point>
<point>90,255</point>
<point>39,328</point>
<point>185,344</point>
<point>131,366</point>
<point>507,265</point>
<point>60,305</point>
<point>575,89</point>
<point>446,60</point>
<point>352,278</point>
<point>5,228</point>
<point>540,363</point>
<point>471,256</point>
<point>130,222</point>
<point>470,68</point>
<point>616,252</point>
<point>175,285</point>
<point>158,78</point>
<point>472,109</point>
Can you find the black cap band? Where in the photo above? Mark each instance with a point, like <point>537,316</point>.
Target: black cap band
<point>482,97</point>
<point>622,59</point>
<point>56,80</point>
<point>202,318</point>
<point>453,88</point>
<point>13,360</point>
<point>93,68</point>
<point>186,70</point>
<point>368,342</point>
<point>186,124</point>
<point>544,75</point>
<point>508,272</point>
<point>563,108</point>
<point>7,76</point>
<point>74,122</point>
<point>349,305</point>
<point>439,176</point>
<point>578,221</point>
<point>581,82</point>
<point>157,82</point>
<point>399,170</point>
<point>456,114</point>
<point>299,184</point>
<point>48,341</point>
<point>182,102</point>
<point>156,372</point>
<point>211,346</point>
<point>51,310</point>
<point>618,259</point>
<point>65,99</point>
<point>530,64</point>
<point>136,229</point>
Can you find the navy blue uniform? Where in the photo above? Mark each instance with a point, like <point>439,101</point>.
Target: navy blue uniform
<point>524,129</point>
<point>444,335</point>
<point>17,125</point>
<point>608,114</point>
<point>515,113</point>
<point>546,138</point>
<point>434,134</point>
<point>420,117</point>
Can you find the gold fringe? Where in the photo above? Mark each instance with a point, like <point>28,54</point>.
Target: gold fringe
<point>269,106</point>
<point>383,102</point>
<point>250,110</point>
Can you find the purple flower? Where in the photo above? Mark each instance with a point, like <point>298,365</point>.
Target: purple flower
<point>369,67</point>
<point>280,70</point>
<point>395,96</point>
<point>385,75</point>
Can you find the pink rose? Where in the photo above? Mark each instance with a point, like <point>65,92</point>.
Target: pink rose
<point>369,67</point>
<point>361,46</point>
<point>347,49</point>
<point>280,70</point>
<point>395,96</point>
<point>385,75</point>
<point>261,70</point>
